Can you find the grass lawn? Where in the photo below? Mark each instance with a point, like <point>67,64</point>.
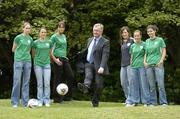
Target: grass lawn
<point>83,110</point>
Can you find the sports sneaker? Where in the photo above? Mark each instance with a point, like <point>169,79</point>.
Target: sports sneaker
<point>145,105</point>
<point>40,105</point>
<point>164,105</point>
<point>130,105</point>
<point>151,105</point>
<point>47,105</point>
<point>15,106</point>
<point>124,103</point>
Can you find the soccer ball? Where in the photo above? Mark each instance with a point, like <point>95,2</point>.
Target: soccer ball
<point>62,89</point>
<point>32,103</point>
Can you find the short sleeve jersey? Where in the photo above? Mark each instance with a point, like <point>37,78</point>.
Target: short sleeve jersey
<point>22,51</point>
<point>137,52</point>
<point>42,52</point>
<point>59,45</point>
<point>154,50</point>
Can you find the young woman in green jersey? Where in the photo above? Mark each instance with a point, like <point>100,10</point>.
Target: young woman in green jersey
<point>42,67</point>
<point>154,58</point>
<point>22,66</point>
<point>61,63</point>
<point>138,84</point>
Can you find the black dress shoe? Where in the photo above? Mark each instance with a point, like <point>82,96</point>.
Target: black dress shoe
<point>83,88</point>
<point>58,101</point>
<point>67,99</point>
<point>95,104</point>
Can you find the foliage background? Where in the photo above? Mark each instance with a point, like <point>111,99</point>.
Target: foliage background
<point>80,15</point>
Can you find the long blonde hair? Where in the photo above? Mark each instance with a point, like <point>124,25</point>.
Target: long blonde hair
<point>41,29</point>
<point>25,24</point>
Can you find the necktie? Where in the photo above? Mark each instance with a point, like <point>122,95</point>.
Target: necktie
<point>91,58</point>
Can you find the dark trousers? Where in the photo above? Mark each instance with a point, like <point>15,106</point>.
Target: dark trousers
<point>92,77</point>
<point>62,74</point>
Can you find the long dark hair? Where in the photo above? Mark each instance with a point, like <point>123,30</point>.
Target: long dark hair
<point>121,31</point>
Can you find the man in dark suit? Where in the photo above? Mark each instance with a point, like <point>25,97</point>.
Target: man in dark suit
<point>96,57</point>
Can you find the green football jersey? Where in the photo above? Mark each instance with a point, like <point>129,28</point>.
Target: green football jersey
<point>59,45</point>
<point>154,50</point>
<point>42,52</point>
<point>137,51</point>
<point>22,51</point>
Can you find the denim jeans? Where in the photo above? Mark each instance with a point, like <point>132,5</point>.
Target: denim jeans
<point>21,68</point>
<point>124,77</point>
<point>43,76</point>
<point>156,74</point>
<point>138,87</point>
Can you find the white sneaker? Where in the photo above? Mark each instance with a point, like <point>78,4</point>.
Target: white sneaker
<point>124,103</point>
<point>145,105</point>
<point>40,105</point>
<point>164,105</point>
<point>130,105</point>
<point>47,105</point>
<point>152,105</point>
<point>15,106</point>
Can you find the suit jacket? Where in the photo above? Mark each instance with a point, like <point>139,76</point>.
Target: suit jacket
<point>101,54</point>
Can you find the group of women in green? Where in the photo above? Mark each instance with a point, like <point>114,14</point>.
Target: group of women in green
<point>142,67</point>
<point>43,50</point>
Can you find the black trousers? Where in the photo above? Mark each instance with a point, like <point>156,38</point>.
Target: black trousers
<point>92,77</point>
<point>62,74</point>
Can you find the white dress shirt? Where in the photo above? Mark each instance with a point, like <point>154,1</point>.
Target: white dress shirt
<point>90,48</point>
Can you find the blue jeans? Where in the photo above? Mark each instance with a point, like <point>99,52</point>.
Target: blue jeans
<point>43,76</point>
<point>21,69</point>
<point>124,77</point>
<point>156,74</point>
<point>138,87</point>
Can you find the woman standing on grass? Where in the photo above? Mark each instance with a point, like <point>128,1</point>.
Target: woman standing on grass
<point>61,63</point>
<point>42,67</point>
<point>22,65</point>
<point>139,88</point>
<point>153,61</point>
<point>125,59</point>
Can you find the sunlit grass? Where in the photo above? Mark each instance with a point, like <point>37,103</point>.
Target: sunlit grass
<point>83,110</point>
